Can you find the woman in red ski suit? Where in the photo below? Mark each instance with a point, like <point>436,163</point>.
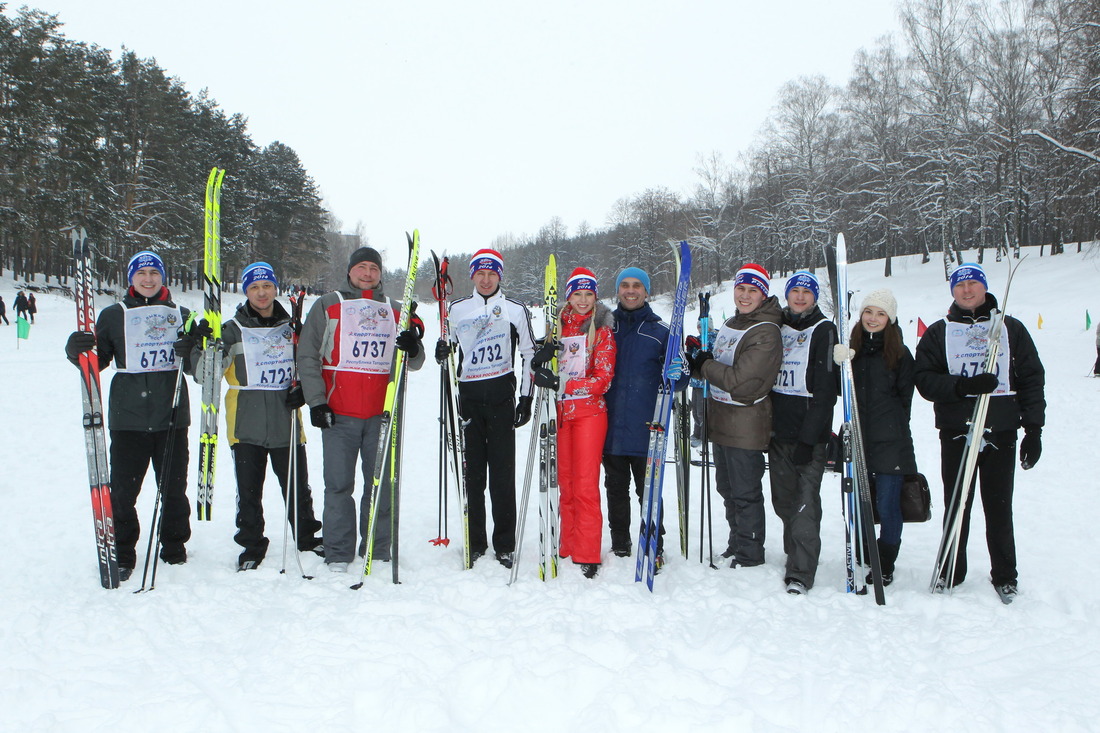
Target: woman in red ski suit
<point>586,364</point>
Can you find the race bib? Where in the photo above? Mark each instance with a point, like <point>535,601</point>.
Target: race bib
<point>791,379</point>
<point>486,344</point>
<point>268,357</point>
<point>725,347</point>
<point>150,332</point>
<point>968,348</point>
<point>573,360</point>
<point>368,331</point>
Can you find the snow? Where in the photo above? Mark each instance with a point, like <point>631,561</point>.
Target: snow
<point>211,649</point>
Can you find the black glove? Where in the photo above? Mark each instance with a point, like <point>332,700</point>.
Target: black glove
<point>523,412</point>
<point>409,342</point>
<point>1031,447</point>
<point>698,359</point>
<point>78,343</point>
<point>295,397</point>
<point>545,354</point>
<point>199,330</point>
<point>442,351</point>
<point>183,345</point>
<point>978,384</point>
<point>803,454</point>
<point>322,416</point>
<point>546,379</point>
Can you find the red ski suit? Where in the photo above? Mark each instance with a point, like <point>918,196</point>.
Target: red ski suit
<point>582,426</point>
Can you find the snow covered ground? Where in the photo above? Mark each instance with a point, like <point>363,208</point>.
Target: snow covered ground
<point>215,650</point>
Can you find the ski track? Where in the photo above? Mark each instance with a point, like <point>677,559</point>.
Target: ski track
<point>212,649</point>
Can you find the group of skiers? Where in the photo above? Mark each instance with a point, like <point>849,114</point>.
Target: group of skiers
<point>773,383</point>
<point>25,307</point>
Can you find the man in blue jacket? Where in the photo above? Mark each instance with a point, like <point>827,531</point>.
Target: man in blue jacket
<point>641,338</point>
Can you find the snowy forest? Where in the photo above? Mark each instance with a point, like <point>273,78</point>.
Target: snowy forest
<point>978,127</point>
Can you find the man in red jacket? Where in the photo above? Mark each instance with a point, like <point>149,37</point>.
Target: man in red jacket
<point>345,357</point>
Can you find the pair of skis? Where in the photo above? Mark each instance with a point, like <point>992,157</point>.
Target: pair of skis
<point>95,441</point>
<point>544,442</point>
<point>212,347</point>
<point>388,456</point>
<point>860,545</point>
<point>652,504</point>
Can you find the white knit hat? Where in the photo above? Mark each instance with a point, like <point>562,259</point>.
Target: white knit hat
<point>883,299</point>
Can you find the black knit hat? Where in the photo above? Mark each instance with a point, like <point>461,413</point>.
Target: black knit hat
<point>365,254</point>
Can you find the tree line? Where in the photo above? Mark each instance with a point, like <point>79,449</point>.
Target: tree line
<point>980,130</point>
<point>121,148</point>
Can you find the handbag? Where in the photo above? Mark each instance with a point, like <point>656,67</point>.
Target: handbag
<point>916,499</point>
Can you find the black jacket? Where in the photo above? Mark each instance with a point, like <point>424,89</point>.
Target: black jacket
<point>885,400</point>
<point>1007,413</point>
<point>138,401</point>
<point>809,419</point>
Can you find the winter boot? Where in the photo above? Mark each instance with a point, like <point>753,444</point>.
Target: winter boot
<point>888,555</point>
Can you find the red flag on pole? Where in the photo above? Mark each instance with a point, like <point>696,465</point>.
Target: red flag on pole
<point>920,327</point>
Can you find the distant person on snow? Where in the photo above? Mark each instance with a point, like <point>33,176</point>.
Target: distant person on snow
<point>486,329</point>
<point>258,360</point>
<point>586,365</point>
<point>882,373</point>
<point>32,307</point>
<point>21,305</point>
<point>4,312</point>
<point>641,338</point>
<point>741,370</point>
<point>138,335</point>
<point>345,357</point>
<point>1095,369</point>
<point>803,398</point>
<point>949,363</point>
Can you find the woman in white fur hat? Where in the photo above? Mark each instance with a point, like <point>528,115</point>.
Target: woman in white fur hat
<point>882,370</point>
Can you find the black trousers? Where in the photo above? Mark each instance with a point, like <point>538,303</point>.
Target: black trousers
<point>131,453</point>
<point>250,462</point>
<point>617,472</point>
<point>996,474</point>
<point>491,454</point>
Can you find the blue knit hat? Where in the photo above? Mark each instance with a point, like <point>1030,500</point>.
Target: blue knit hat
<point>256,272</point>
<point>968,271</point>
<point>803,279</point>
<point>635,272</point>
<point>142,259</point>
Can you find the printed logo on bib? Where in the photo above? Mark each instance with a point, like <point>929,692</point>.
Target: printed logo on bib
<point>367,333</point>
<point>968,349</point>
<point>486,351</point>
<point>150,334</point>
<point>268,357</point>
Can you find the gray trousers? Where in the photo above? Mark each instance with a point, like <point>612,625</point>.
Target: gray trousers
<point>796,498</point>
<point>351,438</point>
<point>738,473</point>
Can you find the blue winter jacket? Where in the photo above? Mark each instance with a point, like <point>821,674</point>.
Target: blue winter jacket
<point>640,340</point>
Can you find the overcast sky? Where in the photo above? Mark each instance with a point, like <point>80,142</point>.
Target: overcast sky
<point>474,119</point>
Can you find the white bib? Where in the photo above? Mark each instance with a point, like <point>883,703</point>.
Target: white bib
<point>486,345</point>
<point>967,348</point>
<point>368,332</point>
<point>791,379</point>
<point>724,347</point>
<point>268,357</point>
<point>573,360</point>
<point>150,332</point>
